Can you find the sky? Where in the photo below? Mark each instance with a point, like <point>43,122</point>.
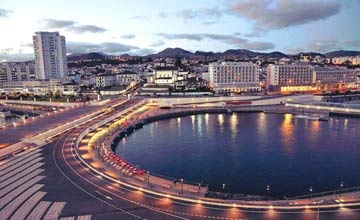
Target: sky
<point>141,27</point>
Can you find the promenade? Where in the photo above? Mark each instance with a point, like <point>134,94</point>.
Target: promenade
<point>99,157</point>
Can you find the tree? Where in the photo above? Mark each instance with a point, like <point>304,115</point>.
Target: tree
<point>178,62</point>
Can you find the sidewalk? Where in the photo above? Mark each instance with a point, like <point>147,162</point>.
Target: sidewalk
<point>146,181</point>
<point>92,156</point>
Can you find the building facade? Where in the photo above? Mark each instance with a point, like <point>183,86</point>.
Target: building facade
<point>328,78</point>
<point>105,80</point>
<point>355,60</point>
<point>50,55</point>
<point>16,71</point>
<point>290,77</point>
<point>234,77</point>
<point>127,78</point>
<point>166,76</point>
<point>41,87</point>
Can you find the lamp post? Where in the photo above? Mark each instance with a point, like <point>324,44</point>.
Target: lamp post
<point>341,187</point>
<point>267,189</point>
<point>181,185</point>
<point>148,178</point>
<point>223,188</point>
<point>311,189</point>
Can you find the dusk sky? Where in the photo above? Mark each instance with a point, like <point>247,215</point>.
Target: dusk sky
<point>144,26</point>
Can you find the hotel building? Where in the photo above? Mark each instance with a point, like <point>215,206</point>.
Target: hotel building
<point>50,55</point>
<point>290,77</point>
<point>16,71</point>
<point>234,77</point>
<point>329,78</point>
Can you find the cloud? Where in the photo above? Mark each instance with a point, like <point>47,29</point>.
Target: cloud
<point>29,44</point>
<point>142,52</point>
<point>323,46</point>
<point>157,44</point>
<point>228,39</point>
<point>105,47</point>
<point>319,46</point>
<point>163,15</point>
<point>139,17</point>
<point>87,28</point>
<point>16,55</point>
<point>272,15</point>
<point>352,43</point>
<point>128,36</point>
<point>196,37</point>
<point>4,13</point>
<point>53,24</point>
<point>71,26</point>
<point>205,15</point>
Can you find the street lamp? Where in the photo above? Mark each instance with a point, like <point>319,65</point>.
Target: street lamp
<point>341,187</point>
<point>148,178</point>
<point>311,189</point>
<point>268,189</point>
<point>223,188</point>
<point>182,182</point>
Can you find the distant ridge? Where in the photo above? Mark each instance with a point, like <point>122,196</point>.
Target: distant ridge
<point>342,53</point>
<point>238,53</point>
<point>88,56</point>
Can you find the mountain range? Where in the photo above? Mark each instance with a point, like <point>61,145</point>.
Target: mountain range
<point>239,53</point>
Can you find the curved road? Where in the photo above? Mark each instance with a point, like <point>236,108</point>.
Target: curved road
<point>89,193</point>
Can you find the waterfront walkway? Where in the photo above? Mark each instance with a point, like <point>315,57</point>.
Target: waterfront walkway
<point>97,157</point>
<point>165,187</point>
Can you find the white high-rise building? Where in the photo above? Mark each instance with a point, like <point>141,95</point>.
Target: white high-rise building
<point>50,55</point>
<point>234,77</point>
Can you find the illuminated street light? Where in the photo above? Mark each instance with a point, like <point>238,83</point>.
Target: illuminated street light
<point>341,187</point>
<point>148,178</point>
<point>182,182</point>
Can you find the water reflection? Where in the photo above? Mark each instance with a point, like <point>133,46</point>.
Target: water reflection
<point>207,127</point>
<point>199,125</point>
<point>193,124</point>
<point>206,119</point>
<point>345,124</point>
<point>233,126</point>
<point>179,126</point>
<point>262,136</point>
<point>221,122</point>
<point>152,129</point>
<point>287,134</point>
<point>262,126</point>
<point>314,128</point>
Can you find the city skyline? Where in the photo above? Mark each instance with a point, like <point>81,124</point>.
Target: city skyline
<point>142,28</point>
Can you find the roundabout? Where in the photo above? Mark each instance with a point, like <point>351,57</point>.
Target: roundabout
<point>86,154</point>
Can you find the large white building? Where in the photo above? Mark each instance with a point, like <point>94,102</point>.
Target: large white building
<point>335,77</point>
<point>36,87</point>
<point>355,60</point>
<point>234,77</point>
<point>290,77</point>
<point>127,78</point>
<point>105,80</point>
<point>166,76</point>
<point>50,55</point>
<point>16,71</point>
